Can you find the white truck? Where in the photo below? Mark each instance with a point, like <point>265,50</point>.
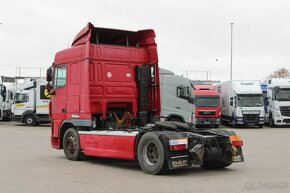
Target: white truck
<point>241,103</point>
<point>31,103</point>
<point>176,98</point>
<point>278,102</point>
<point>6,101</point>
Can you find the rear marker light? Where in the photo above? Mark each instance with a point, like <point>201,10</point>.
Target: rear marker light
<point>236,140</point>
<point>178,144</point>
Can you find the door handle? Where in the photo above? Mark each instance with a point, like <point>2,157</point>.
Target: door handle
<point>177,107</point>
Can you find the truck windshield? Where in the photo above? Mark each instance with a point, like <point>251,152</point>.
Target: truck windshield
<point>283,95</point>
<point>21,97</point>
<point>250,101</point>
<point>207,101</point>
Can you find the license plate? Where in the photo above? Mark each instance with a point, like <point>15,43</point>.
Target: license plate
<point>206,122</point>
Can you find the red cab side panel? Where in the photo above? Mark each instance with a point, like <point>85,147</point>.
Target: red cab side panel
<point>113,144</point>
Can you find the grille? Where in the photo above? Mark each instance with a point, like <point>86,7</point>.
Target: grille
<point>285,110</point>
<point>251,118</point>
<point>206,113</point>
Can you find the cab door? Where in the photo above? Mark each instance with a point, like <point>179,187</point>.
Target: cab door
<point>58,98</point>
<point>184,103</point>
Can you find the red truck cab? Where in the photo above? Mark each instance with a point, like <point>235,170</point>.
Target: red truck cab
<point>207,105</point>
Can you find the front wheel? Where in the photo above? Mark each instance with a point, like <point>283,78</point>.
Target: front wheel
<point>30,120</point>
<point>71,145</point>
<point>151,156</point>
<point>271,121</point>
<point>260,126</point>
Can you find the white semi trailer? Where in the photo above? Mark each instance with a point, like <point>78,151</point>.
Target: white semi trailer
<point>278,102</point>
<point>241,103</point>
<point>31,103</point>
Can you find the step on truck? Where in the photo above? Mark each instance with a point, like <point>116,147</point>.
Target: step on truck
<point>278,102</point>
<point>105,102</point>
<point>207,106</point>
<point>241,103</point>
<point>31,103</point>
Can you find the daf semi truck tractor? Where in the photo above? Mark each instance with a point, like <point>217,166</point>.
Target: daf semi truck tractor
<point>105,102</point>
<point>241,103</point>
<point>176,98</point>
<point>278,102</point>
<point>207,106</point>
<point>31,103</point>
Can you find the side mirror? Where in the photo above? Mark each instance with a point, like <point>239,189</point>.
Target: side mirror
<point>191,100</point>
<point>232,98</point>
<point>49,74</point>
<point>231,103</point>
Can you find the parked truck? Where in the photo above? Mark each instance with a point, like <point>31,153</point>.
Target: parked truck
<point>176,98</point>
<point>241,103</point>
<point>207,106</point>
<point>105,102</point>
<point>6,101</point>
<point>31,103</point>
<point>278,102</point>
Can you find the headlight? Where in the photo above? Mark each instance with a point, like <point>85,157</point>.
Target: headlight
<point>277,115</point>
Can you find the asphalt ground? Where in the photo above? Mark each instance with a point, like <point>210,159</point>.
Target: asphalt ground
<point>29,164</point>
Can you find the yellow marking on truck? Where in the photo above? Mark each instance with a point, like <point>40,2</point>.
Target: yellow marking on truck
<point>44,106</point>
<point>20,105</point>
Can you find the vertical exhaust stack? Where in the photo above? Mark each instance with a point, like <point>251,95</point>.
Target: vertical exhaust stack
<point>143,78</point>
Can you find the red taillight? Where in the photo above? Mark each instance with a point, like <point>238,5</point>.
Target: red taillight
<point>236,140</point>
<point>178,144</point>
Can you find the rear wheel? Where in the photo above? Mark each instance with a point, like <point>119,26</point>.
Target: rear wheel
<point>30,120</point>
<point>71,145</point>
<point>151,156</point>
<point>175,119</point>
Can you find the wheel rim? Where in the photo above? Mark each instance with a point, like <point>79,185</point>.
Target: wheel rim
<point>71,144</point>
<point>151,154</point>
<point>29,120</point>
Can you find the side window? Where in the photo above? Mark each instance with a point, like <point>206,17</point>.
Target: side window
<point>223,103</point>
<point>21,98</point>
<point>59,77</point>
<point>183,92</point>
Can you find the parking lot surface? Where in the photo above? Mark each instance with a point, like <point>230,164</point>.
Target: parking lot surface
<point>29,164</point>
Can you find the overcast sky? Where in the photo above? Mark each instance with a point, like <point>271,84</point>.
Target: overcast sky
<point>192,35</point>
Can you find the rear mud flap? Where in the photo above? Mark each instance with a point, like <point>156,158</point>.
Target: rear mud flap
<point>179,162</point>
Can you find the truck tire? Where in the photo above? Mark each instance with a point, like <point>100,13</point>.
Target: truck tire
<point>215,165</point>
<point>260,126</point>
<point>175,119</point>
<point>29,120</point>
<point>71,145</point>
<point>271,121</point>
<point>151,155</point>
